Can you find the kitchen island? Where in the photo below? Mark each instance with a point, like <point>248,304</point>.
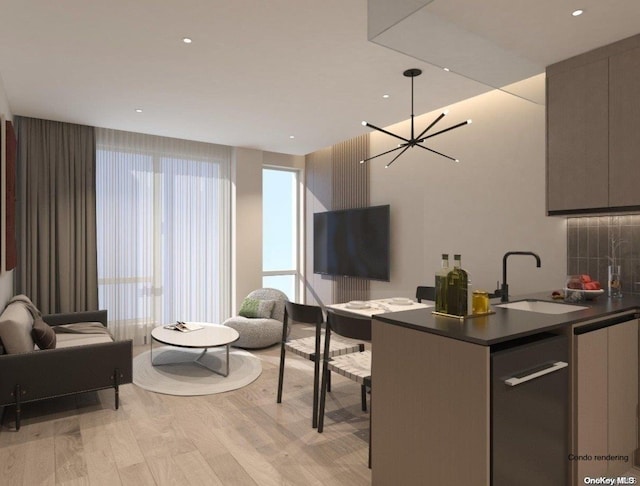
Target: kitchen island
<point>432,416</point>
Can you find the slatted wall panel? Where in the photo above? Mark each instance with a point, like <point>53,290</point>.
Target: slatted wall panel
<point>350,189</point>
<point>318,195</point>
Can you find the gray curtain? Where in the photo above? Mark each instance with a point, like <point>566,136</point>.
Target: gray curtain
<point>57,262</point>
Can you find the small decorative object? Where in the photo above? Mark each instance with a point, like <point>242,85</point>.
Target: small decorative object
<point>614,271</point>
<point>614,282</point>
<point>480,302</point>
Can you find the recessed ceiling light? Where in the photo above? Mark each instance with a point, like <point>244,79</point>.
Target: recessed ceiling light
<point>138,110</point>
<point>385,96</point>
<point>446,69</point>
<point>292,137</point>
<point>187,40</point>
<point>577,13</point>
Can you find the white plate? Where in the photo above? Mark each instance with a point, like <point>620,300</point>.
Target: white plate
<point>357,304</point>
<point>401,301</point>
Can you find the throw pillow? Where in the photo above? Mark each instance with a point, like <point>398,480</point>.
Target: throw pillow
<point>253,308</point>
<point>15,329</point>
<point>43,334</point>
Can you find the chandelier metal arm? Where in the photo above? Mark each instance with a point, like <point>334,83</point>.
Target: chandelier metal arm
<point>383,153</point>
<point>461,124</point>
<point>436,152</point>
<point>440,117</point>
<point>407,147</point>
<point>367,124</point>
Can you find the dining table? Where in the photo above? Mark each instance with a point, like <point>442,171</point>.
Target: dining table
<point>370,308</point>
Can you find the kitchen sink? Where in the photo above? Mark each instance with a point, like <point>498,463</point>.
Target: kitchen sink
<point>542,307</point>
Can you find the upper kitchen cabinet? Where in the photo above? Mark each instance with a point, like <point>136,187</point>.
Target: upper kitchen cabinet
<point>593,150</point>
<point>624,122</point>
<point>577,138</point>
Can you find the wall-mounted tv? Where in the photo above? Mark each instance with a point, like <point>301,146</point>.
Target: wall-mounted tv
<point>352,243</point>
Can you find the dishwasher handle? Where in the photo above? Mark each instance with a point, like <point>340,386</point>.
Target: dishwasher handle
<point>518,380</point>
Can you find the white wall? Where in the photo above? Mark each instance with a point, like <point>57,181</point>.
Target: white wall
<point>492,202</point>
<point>6,278</point>
<point>274,159</point>
<point>247,220</point>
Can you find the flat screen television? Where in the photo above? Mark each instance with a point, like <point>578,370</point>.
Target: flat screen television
<point>352,243</point>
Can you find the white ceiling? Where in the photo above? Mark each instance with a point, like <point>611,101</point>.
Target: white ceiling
<point>259,71</point>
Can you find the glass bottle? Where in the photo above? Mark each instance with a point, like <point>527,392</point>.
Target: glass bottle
<point>457,289</point>
<point>441,284</point>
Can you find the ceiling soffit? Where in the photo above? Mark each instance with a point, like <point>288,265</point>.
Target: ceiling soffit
<point>409,27</point>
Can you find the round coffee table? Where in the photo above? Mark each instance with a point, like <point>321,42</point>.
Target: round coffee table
<point>210,336</point>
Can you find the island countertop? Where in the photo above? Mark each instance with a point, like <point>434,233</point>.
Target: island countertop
<point>508,324</point>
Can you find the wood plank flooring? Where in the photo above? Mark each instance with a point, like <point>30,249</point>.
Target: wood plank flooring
<point>238,438</point>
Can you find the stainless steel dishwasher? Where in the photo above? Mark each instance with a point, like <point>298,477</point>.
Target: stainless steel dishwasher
<point>529,412</point>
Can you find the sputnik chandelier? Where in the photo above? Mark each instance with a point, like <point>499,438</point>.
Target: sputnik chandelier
<point>413,141</point>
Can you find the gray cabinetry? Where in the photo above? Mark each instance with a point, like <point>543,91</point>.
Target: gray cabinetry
<point>593,115</point>
<point>624,123</point>
<point>605,399</point>
<point>577,137</point>
<point>430,409</point>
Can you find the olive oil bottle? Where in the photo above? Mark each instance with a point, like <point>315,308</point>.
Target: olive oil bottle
<point>441,285</point>
<point>457,289</point>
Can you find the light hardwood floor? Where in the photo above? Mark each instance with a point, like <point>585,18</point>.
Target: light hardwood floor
<point>236,438</point>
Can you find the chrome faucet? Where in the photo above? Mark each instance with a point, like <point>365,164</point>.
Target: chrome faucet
<point>504,289</point>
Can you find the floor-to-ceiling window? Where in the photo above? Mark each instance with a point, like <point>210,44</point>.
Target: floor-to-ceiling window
<point>163,231</point>
<point>281,230</point>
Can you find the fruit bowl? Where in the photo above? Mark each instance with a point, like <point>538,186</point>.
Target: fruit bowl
<point>593,294</point>
<point>588,294</point>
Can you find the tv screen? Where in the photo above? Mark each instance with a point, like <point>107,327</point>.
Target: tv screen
<point>352,243</point>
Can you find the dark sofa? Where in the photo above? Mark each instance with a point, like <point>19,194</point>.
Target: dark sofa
<point>69,369</point>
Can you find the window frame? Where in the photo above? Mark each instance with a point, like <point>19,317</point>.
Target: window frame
<point>298,271</point>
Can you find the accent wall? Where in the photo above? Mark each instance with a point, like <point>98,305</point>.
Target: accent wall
<point>6,277</point>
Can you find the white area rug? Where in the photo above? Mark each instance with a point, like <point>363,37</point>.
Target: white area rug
<point>180,376</point>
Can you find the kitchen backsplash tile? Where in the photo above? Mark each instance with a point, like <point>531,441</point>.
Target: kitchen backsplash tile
<point>592,241</point>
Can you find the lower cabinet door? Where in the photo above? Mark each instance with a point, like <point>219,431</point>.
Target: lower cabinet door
<point>606,401</point>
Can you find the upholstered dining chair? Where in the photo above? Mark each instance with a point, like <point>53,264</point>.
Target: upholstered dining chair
<point>426,293</point>
<point>310,348</point>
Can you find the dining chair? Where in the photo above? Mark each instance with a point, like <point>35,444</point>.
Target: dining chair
<point>355,366</point>
<point>310,348</point>
<point>426,293</point>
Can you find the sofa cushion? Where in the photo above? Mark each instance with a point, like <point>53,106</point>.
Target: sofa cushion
<point>43,334</point>
<point>71,340</point>
<point>256,308</point>
<point>16,323</point>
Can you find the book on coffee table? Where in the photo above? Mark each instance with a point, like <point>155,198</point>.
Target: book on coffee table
<point>184,326</point>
